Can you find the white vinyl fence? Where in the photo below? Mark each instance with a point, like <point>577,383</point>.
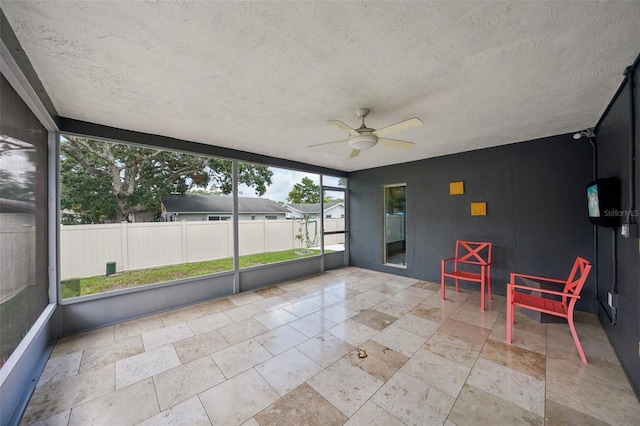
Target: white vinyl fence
<point>85,249</point>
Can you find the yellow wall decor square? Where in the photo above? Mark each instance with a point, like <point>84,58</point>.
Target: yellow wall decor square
<point>456,188</point>
<point>479,208</point>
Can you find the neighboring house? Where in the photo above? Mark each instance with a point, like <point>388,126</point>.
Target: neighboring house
<point>331,210</point>
<point>176,207</point>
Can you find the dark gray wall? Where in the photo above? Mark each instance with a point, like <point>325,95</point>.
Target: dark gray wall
<point>614,143</point>
<point>536,202</point>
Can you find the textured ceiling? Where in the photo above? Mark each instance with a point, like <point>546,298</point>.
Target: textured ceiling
<point>264,77</point>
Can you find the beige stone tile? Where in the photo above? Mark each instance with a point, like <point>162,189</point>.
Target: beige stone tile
<point>439,372</point>
<point>61,395</point>
<point>558,414</point>
<point>324,300</point>
<point>268,292</point>
<point>128,405</point>
<point>302,308</point>
<point>251,422</point>
<point>412,401</point>
<point>577,385</point>
<point>280,339</point>
<point>417,325</point>
<point>380,361</point>
<point>245,298</point>
<point>353,332</point>
<point>100,356</point>
<point>364,300</point>
<point>476,407</point>
<point>238,399</point>
<point>392,308</point>
<point>244,312</point>
<point>60,419</point>
<point>595,344</point>
<point>136,327</point>
<point>325,348</point>
<point>520,338</point>
<point>60,367</point>
<point>389,288</point>
<point>523,323</point>
<point>470,332</point>
<point>312,325</point>
<point>272,303</point>
<point>399,340</point>
<point>303,406</point>
<point>214,306</point>
<point>185,381</point>
<point>374,319</point>
<point>434,287</point>
<point>81,341</point>
<point>344,293</point>
<point>359,286</point>
<point>208,323</point>
<point>276,318</point>
<point>238,332</point>
<point>407,298</point>
<point>337,313</point>
<point>515,358</point>
<point>200,345</point>
<point>178,316</point>
<point>513,386</point>
<point>240,357</point>
<point>456,349</point>
<point>139,367</point>
<point>472,314</point>
<point>347,387</point>
<point>164,336</point>
<point>371,414</point>
<point>189,412</point>
<point>288,370</point>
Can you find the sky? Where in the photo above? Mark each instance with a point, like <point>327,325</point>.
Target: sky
<point>282,182</point>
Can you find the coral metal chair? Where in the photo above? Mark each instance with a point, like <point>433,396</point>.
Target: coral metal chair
<point>470,253</point>
<point>562,308</point>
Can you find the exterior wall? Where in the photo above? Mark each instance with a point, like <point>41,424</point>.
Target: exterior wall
<point>537,218</point>
<point>613,149</point>
<point>191,217</point>
<point>85,249</point>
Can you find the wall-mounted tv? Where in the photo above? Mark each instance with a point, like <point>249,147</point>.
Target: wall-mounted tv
<point>603,202</point>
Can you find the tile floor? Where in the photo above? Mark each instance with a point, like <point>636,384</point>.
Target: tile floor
<point>294,354</point>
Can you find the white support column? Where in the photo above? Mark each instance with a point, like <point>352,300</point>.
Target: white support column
<point>236,248</point>
<point>124,245</point>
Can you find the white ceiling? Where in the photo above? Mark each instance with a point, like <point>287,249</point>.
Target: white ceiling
<point>264,77</point>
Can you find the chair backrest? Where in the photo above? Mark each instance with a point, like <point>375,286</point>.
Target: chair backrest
<point>474,252</point>
<point>577,277</point>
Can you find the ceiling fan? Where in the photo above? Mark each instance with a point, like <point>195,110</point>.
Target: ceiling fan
<point>364,138</point>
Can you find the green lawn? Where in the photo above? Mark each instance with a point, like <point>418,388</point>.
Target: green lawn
<point>91,285</point>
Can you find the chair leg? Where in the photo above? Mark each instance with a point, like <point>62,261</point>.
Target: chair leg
<point>575,338</point>
<point>509,315</point>
<point>442,286</point>
<point>457,289</point>
<point>482,295</point>
<point>489,281</point>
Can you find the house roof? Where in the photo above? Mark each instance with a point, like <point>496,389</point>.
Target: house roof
<point>311,208</point>
<point>183,203</point>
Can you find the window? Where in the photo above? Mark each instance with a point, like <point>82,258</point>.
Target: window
<point>327,216</point>
<point>139,228</point>
<point>253,217</point>
<point>395,219</point>
<point>271,238</point>
<point>334,226</point>
<point>23,220</point>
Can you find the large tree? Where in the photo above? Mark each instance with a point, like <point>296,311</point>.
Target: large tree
<point>107,182</point>
<point>305,192</point>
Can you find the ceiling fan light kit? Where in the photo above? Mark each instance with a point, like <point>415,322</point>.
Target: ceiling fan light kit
<point>364,138</point>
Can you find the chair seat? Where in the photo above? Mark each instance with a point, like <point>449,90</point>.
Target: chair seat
<point>469,276</point>
<point>550,306</point>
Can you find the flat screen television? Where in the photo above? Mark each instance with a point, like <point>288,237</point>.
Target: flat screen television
<point>603,202</point>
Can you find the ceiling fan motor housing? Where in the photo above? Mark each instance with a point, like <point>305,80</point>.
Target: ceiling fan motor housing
<point>365,140</point>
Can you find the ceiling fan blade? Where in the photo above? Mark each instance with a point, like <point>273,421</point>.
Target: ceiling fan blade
<point>395,143</point>
<point>354,153</point>
<point>344,127</point>
<point>403,125</point>
<point>328,143</point>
